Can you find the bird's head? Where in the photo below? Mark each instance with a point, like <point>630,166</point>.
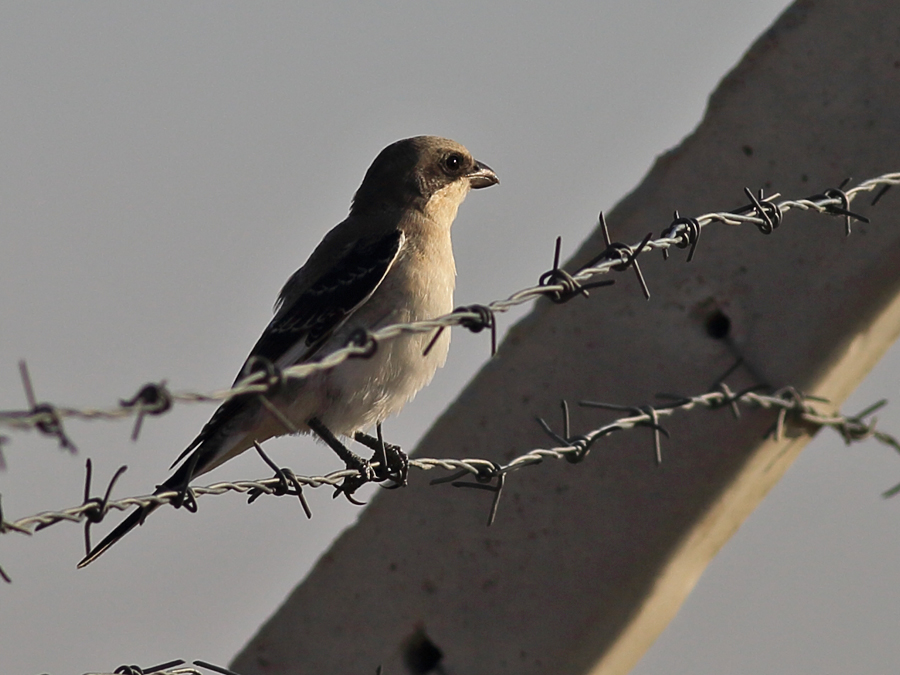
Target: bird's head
<point>427,173</point>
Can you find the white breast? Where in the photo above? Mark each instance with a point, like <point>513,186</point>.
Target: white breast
<point>362,392</point>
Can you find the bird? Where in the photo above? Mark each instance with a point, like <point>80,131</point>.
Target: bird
<point>390,261</point>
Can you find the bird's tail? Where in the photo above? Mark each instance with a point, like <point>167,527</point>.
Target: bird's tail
<point>132,521</point>
<point>198,458</point>
<point>177,481</point>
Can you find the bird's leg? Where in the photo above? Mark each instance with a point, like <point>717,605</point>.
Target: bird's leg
<point>350,458</point>
<point>393,462</point>
<point>380,456</point>
<point>396,461</point>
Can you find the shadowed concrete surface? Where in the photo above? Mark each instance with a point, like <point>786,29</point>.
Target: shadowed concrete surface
<point>587,563</point>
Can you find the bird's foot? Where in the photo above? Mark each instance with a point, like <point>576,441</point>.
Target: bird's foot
<point>365,471</point>
<point>393,464</point>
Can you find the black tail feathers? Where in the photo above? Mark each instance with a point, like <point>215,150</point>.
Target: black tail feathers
<point>132,521</point>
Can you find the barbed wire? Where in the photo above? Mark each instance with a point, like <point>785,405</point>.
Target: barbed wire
<point>176,667</point>
<point>557,284</point>
<point>179,667</point>
<point>792,406</point>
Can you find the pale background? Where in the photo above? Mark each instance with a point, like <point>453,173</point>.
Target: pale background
<point>165,167</point>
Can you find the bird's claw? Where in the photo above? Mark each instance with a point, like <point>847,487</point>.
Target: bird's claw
<point>396,467</point>
<point>393,464</point>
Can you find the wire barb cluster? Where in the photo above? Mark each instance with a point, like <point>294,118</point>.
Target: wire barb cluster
<point>557,284</point>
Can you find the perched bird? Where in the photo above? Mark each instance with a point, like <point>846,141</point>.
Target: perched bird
<point>389,262</point>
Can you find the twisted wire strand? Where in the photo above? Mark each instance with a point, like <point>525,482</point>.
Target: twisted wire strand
<point>763,212</point>
<point>794,410</point>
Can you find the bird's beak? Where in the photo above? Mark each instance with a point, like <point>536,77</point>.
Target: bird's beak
<point>482,176</point>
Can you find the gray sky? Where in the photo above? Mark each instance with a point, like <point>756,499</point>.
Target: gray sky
<point>166,166</point>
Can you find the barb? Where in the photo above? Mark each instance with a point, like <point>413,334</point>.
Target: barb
<point>46,419</point>
<point>152,399</point>
<point>96,514</point>
<point>794,409</point>
<point>558,285</point>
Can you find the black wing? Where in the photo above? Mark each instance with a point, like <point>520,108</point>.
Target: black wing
<point>302,326</point>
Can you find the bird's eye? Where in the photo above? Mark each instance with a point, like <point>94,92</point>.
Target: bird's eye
<point>453,162</point>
